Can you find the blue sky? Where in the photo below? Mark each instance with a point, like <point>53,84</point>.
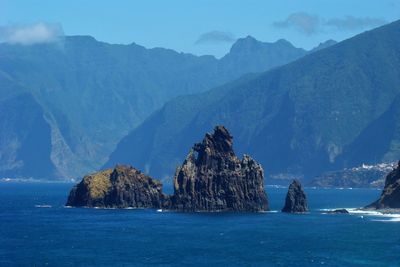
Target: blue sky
<point>203,26</point>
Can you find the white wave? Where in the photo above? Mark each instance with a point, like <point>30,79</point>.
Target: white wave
<point>275,186</point>
<point>387,220</point>
<point>103,208</point>
<point>333,209</point>
<point>371,214</point>
<point>43,206</point>
<point>364,212</point>
<point>385,217</point>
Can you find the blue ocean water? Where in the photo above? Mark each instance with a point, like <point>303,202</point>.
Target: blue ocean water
<point>37,230</point>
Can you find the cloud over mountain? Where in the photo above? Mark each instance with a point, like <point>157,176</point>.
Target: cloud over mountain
<point>216,37</point>
<point>354,23</point>
<point>303,22</point>
<point>310,24</point>
<point>28,34</point>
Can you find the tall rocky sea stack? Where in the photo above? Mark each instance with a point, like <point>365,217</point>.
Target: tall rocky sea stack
<point>296,200</point>
<point>121,187</point>
<point>390,197</point>
<point>212,178</point>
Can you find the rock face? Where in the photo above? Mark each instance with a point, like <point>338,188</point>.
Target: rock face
<point>212,178</point>
<point>296,201</point>
<point>121,187</point>
<point>390,197</point>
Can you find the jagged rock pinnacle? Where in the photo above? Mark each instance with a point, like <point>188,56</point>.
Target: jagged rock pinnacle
<point>296,200</point>
<point>212,178</point>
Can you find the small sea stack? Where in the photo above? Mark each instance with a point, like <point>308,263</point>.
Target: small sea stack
<point>390,197</point>
<point>296,200</point>
<point>338,211</point>
<point>121,187</point>
<point>212,178</point>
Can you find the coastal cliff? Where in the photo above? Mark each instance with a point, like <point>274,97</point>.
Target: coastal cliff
<point>390,197</point>
<point>121,187</point>
<point>212,178</point>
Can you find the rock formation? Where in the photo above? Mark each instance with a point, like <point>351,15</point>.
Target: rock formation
<point>296,201</point>
<point>121,187</point>
<point>212,178</point>
<point>390,197</point>
<point>339,211</point>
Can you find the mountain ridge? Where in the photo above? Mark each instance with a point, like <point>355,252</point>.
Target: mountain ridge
<point>93,93</point>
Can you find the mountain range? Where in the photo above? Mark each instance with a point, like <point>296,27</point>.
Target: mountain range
<point>65,106</point>
<point>332,109</point>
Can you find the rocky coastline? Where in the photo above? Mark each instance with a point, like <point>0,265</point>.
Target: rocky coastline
<point>390,196</point>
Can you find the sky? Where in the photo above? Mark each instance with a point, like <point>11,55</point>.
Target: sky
<point>199,27</point>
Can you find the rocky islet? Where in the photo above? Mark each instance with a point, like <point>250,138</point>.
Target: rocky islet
<point>211,178</point>
<point>296,200</point>
<point>121,187</point>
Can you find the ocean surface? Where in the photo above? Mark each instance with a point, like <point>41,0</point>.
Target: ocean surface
<point>37,230</point>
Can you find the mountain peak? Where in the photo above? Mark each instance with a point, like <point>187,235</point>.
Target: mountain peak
<point>324,45</point>
<point>248,38</point>
<point>247,43</point>
<point>250,45</point>
<point>81,38</point>
<point>284,42</point>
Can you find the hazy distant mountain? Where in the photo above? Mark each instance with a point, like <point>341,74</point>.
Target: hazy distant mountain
<point>25,136</point>
<point>312,115</point>
<point>252,55</point>
<point>91,94</point>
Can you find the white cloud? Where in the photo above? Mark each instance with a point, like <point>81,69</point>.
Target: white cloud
<point>353,23</point>
<point>216,37</point>
<point>311,24</point>
<point>29,34</point>
<point>304,22</point>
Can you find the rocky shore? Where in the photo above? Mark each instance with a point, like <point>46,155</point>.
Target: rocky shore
<point>390,197</point>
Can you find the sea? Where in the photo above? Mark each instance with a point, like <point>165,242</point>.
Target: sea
<point>36,229</point>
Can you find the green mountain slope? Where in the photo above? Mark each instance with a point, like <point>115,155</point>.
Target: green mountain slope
<point>296,119</point>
